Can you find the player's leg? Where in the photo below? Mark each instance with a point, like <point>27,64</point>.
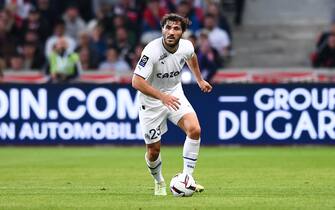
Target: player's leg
<point>154,163</point>
<point>190,125</point>
<point>153,124</point>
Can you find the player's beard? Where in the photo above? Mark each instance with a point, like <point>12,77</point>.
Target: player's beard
<point>171,45</point>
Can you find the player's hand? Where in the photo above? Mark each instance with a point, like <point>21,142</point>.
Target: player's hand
<point>205,86</point>
<point>171,101</point>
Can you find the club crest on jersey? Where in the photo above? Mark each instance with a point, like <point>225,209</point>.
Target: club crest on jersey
<point>168,75</point>
<point>143,60</point>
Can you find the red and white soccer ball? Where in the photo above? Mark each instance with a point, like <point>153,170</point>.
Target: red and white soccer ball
<point>182,185</point>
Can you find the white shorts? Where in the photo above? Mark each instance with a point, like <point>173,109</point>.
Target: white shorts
<point>153,120</point>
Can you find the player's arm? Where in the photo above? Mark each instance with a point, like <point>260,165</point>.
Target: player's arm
<point>140,84</point>
<point>194,66</point>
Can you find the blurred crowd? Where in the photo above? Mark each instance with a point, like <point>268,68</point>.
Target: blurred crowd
<point>324,54</point>
<point>65,37</point>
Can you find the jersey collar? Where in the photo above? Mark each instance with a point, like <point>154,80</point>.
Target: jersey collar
<point>167,49</point>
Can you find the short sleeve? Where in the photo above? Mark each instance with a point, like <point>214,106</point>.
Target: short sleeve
<point>190,50</point>
<point>144,66</point>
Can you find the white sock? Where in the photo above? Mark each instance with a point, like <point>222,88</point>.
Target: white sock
<point>190,154</point>
<point>155,168</point>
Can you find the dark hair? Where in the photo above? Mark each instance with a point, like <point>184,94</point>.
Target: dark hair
<point>183,2</point>
<point>184,22</point>
<point>59,22</point>
<point>71,5</point>
<point>30,44</point>
<point>209,15</point>
<point>16,55</point>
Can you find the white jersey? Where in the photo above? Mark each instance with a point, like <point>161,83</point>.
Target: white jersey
<point>162,69</point>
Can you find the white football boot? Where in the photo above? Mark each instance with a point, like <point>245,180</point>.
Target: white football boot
<point>160,188</point>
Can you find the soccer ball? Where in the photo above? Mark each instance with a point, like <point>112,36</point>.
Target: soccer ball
<point>182,185</point>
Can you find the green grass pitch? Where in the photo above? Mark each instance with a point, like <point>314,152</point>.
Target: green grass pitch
<point>117,178</point>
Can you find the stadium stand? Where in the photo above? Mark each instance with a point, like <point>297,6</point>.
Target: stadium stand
<point>268,35</point>
<point>276,34</point>
<point>28,28</point>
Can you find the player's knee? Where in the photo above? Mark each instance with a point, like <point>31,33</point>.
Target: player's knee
<point>194,132</point>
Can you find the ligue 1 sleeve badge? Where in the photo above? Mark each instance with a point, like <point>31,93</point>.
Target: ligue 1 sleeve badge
<point>143,60</point>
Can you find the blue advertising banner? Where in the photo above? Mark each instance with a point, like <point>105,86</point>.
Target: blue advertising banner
<point>268,114</point>
<point>85,114</point>
<point>68,114</point>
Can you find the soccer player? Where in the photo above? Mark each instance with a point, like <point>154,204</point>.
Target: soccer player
<point>157,77</point>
